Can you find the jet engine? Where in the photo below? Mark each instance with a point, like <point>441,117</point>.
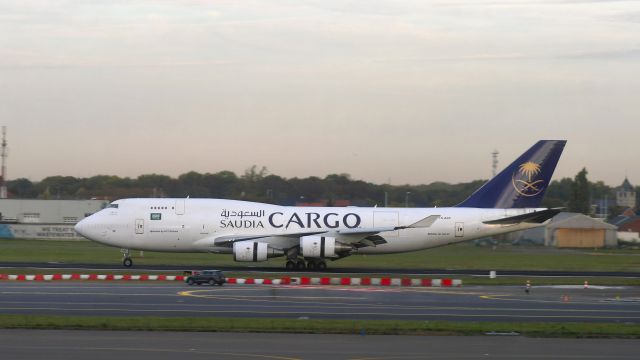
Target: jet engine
<point>253,251</point>
<point>322,247</point>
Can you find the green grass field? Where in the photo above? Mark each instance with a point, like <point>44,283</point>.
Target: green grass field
<point>380,327</point>
<point>460,256</point>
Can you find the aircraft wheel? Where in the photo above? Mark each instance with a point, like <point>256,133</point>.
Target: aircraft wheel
<point>311,265</point>
<point>300,265</point>
<point>321,266</point>
<point>127,262</point>
<point>290,265</point>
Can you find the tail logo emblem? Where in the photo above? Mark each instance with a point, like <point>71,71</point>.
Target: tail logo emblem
<point>524,179</point>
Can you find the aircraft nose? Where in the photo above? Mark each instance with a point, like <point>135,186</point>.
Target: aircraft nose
<point>81,227</point>
<point>89,228</point>
<point>93,228</point>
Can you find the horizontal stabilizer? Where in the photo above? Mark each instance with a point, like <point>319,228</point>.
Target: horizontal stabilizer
<point>536,217</point>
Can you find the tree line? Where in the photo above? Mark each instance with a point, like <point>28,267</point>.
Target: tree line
<point>256,184</point>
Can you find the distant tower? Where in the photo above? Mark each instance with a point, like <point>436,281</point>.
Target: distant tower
<point>626,195</point>
<point>494,164</point>
<point>4,154</point>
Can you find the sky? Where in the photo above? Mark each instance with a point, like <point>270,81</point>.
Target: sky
<point>400,92</point>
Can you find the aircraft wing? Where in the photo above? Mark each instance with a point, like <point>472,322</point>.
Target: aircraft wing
<point>228,240</point>
<point>422,223</point>
<point>536,217</point>
<point>367,236</point>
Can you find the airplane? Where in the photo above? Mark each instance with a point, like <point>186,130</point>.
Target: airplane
<point>309,236</point>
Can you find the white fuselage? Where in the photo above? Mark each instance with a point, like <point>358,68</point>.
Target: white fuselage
<point>198,225</point>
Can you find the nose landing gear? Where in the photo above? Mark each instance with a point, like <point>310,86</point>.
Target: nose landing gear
<point>126,258</point>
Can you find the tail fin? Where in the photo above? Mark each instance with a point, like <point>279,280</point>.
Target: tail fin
<point>523,183</point>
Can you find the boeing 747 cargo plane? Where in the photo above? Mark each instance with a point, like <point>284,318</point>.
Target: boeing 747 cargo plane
<point>308,236</point>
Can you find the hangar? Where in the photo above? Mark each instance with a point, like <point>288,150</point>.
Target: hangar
<point>570,230</point>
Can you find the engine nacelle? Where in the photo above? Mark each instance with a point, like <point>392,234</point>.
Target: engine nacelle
<point>315,246</point>
<point>254,251</point>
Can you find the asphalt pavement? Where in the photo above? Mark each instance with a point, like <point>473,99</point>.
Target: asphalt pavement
<point>469,303</point>
<point>123,345</point>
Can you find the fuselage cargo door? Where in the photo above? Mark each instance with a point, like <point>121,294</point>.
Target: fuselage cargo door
<point>386,219</point>
<point>139,226</point>
<point>180,206</point>
<point>459,229</point>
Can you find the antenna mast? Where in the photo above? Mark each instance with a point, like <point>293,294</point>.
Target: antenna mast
<point>494,164</point>
<point>4,154</point>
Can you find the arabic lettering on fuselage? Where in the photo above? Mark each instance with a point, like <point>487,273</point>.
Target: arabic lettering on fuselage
<point>280,220</point>
<point>241,214</point>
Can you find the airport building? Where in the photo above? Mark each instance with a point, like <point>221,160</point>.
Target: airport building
<point>628,224</point>
<point>572,230</point>
<point>44,219</point>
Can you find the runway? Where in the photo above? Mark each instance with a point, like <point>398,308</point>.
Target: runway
<point>474,303</point>
<point>147,345</point>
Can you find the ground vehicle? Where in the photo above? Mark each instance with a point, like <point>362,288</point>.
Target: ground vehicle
<point>211,277</point>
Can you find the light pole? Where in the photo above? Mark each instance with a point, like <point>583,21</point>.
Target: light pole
<point>406,199</point>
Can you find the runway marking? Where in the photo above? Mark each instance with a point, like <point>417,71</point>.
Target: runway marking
<point>494,297</point>
<point>358,302</point>
<point>192,293</point>
<point>312,306</point>
<point>572,300</point>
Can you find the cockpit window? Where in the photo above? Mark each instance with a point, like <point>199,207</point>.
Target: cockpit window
<point>112,206</point>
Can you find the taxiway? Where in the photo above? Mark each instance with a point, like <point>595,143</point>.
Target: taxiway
<point>471,303</point>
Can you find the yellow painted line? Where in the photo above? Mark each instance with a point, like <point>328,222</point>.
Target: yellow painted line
<point>494,297</point>
<point>400,306</point>
<point>192,293</point>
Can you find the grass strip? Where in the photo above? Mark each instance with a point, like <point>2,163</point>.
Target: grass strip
<point>458,256</point>
<point>310,326</point>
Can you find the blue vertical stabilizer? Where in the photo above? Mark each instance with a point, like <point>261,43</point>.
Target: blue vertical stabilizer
<point>523,183</point>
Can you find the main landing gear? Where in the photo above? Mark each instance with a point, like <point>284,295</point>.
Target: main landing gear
<point>300,265</point>
<point>126,258</point>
